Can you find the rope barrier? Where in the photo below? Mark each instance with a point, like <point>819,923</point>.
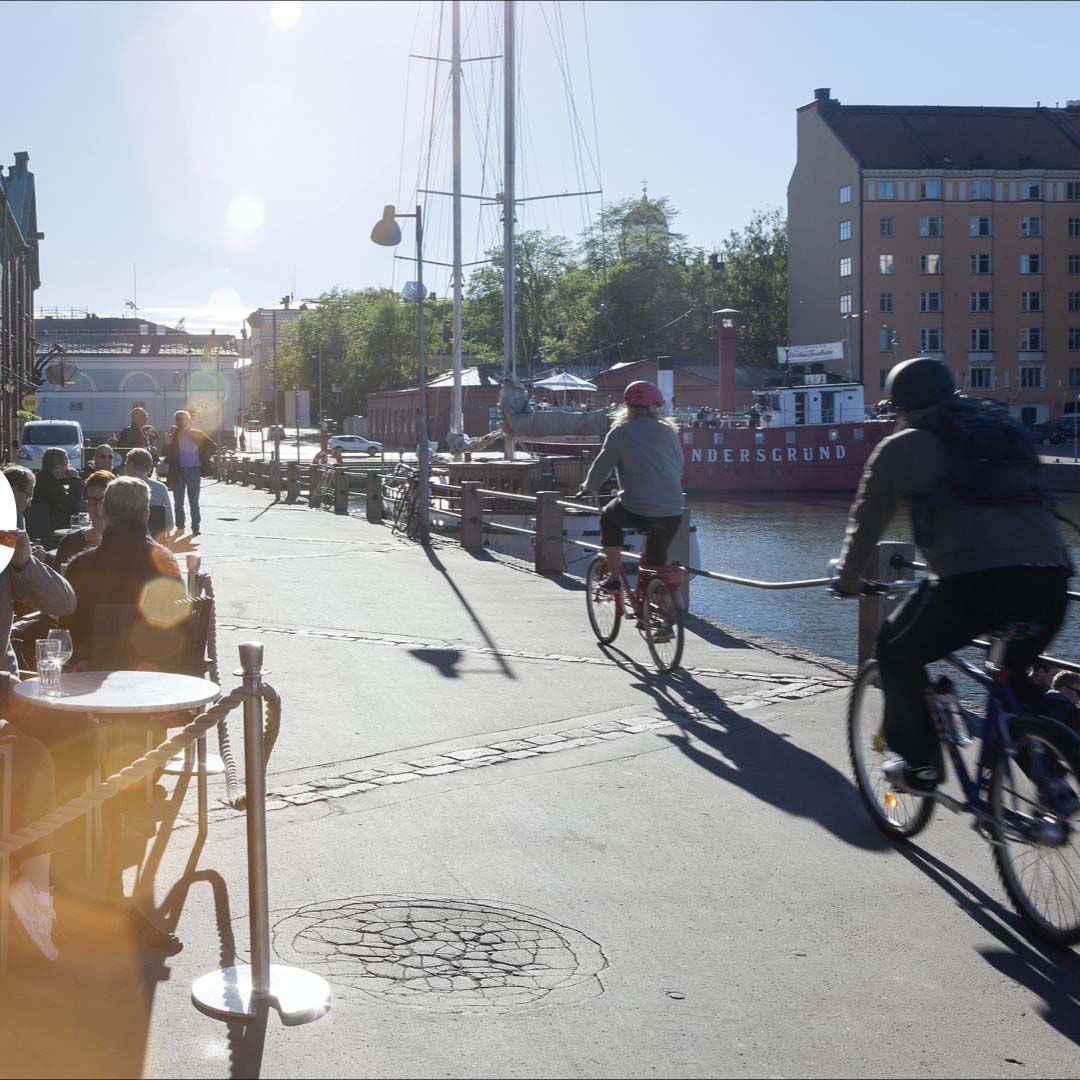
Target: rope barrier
<point>131,774</point>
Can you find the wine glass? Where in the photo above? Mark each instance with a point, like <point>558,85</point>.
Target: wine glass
<point>64,639</point>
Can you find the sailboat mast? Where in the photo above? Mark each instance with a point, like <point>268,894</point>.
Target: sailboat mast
<point>457,424</point>
<point>509,330</point>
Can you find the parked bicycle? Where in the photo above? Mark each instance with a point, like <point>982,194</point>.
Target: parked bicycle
<point>1020,789</point>
<point>400,491</point>
<point>653,603</point>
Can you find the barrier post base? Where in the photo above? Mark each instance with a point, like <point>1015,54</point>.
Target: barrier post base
<point>298,995</point>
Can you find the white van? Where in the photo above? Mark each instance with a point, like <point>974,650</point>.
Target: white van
<point>39,435</point>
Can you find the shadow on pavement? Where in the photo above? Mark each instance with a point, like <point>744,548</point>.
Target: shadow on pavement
<point>1053,974</point>
<point>755,757</point>
<point>489,641</point>
<point>444,661</point>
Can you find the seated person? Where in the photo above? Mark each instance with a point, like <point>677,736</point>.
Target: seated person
<point>33,795</point>
<point>128,568</point>
<point>77,542</point>
<point>59,488</point>
<point>140,463</point>
<point>1062,702</point>
<point>22,487</point>
<point>102,462</point>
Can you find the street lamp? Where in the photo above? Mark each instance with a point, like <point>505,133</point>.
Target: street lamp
<point>847,319</point>
<point>387,233</point>
<point>296,417</point>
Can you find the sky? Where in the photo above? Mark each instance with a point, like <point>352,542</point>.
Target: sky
<point>205,158</point>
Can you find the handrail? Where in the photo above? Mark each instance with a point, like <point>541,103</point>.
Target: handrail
<point>506,495</point>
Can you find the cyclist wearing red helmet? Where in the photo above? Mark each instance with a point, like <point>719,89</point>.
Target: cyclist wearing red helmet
<point>643,447</point>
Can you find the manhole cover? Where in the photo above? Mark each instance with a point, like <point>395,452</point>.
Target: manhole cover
<point>437,951</point>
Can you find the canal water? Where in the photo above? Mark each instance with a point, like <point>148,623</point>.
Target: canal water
<point>785,538</point>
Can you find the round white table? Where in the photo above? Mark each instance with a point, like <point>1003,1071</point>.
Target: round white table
<point>106,693</point>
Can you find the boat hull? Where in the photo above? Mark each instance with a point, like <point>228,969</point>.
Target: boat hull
<point>812,458</point>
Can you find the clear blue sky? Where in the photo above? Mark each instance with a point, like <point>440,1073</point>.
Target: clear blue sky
<point>226,147</point>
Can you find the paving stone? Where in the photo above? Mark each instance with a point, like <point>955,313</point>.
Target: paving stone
<point>513,744</point>
<point>472,754</point>
<point>352,789</point>
<point>396,778</point>
<point>292,789</point>
<point>607,726</point>
<point>439,770</point>
<point>544,740</point>
<point>365,776</point>
<point>553,748</point>
<point>517,755</point>
<point>330,782</point>
<point>431,762</point>
<point>275,804</point>
<point>306,797</point>
<point>577,733</point>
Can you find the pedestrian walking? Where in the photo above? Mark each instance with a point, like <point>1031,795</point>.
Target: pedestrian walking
<point>188,452</point>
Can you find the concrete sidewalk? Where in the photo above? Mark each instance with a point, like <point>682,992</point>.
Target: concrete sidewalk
<point>515,855</point>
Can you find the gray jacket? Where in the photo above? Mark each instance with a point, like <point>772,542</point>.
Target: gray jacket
<point>36,586</point>
<point>906,467</point>
<point>649,460</point>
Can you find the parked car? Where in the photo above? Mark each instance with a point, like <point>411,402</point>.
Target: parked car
<point>39,435</point>
<point>354,444</point>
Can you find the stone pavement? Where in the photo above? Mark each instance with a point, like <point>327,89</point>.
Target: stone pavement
<point>514,854</point>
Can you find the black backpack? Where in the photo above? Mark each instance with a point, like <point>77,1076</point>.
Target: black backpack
<point>992,460</point>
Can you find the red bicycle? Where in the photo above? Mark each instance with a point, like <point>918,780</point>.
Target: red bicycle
<point>653,603</point>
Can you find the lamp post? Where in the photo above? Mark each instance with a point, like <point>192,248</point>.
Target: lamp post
<point>847,319</point>
<point>387,233</point>
<point>296,417</point>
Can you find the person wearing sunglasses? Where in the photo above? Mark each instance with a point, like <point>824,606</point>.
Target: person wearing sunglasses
<point>77,542</point>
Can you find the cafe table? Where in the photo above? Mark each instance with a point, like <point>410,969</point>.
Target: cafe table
<point>101,694</point>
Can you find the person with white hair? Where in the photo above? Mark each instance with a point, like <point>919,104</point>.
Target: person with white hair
<point>140,463</point>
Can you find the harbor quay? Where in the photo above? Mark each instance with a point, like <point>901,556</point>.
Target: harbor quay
<point>512,853</point>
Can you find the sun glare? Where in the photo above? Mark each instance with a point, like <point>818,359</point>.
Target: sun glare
<point>286,13</point>
<point>244,217</point>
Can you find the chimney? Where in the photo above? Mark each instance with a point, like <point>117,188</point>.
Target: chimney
<point>22,159</point>
<point>665,381</point>
<point>726,334</point>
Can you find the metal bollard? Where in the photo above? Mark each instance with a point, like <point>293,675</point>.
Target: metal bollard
<point>874,610</point>
<point>548,555</point>
<point>193,564</point>
<point>341,490</point>
<point>472,514</point>
<point>238,991</point>
<point>374,509</point>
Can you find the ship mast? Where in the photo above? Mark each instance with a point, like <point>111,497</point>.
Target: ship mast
<point>457,423</point>
<point>509,331</point>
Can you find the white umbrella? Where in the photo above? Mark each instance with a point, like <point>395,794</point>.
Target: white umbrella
<point>565,381</point>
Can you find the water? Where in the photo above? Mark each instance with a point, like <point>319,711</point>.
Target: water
<point>785,538</point>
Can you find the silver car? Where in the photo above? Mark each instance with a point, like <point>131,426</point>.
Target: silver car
<point>354,444</point>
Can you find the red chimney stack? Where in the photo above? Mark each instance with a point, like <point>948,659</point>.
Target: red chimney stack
<point>726,332</point>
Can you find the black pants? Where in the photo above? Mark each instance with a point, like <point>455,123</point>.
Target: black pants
<point>659,531</point>
<point>943,616</point>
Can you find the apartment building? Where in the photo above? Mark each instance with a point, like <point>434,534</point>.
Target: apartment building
<point>951,232</point>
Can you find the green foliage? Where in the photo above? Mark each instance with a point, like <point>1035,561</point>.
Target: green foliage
<point>631,288</point>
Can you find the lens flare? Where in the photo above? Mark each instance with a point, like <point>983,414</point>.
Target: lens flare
<point>244,216</point>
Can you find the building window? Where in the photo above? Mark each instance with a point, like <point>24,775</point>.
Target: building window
<point>982,301</point>
<point>982,226</point>
<point>930,301</point>
<point>1031,378</point>
<point>929,264</point>
<point>930,339</point>
<point>845,266</point>
<point>1074,264</point>
<point>1031,226</point>
<point>845,304</point>
<point>1074,301</point>
<point>1072,190</point>
<point>887,227</point>
<point>1031,300</point>
<point>1031,189</point>
<point>1031,264</point>
<point>980,339</point>
<point>979,189</point>
<point>929,189</point>
<point>930,225</point>
<point>981,263</point>
<point>1074,228</point>
<point>1074,338</point>
<point>886,189</point>
<point>1031,339</point>
<point>981,378</point>
<point>885,264</point>
<point>886,339</point>
<point>845,194</point>
<point>1074,378</point>
<point>886,300</point>
<point>845,230</point>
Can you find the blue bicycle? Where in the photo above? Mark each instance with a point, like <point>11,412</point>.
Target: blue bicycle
<point>1020,786</point>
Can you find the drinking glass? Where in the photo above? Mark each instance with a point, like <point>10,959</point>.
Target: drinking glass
<point>48,667</point>
<point>84,520</point>
<point>66,648</point>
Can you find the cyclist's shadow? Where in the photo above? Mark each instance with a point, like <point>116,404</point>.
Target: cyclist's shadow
<point>764,762</point>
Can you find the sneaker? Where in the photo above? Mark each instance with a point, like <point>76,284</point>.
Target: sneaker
<point>915,780</point>
<point>36,914</point>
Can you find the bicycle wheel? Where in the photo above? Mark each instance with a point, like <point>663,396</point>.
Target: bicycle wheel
<point>895,813</point>
<point>663,627</point>
<point>604,608</point>
<point>412,521</point>
<point>1037,851</point>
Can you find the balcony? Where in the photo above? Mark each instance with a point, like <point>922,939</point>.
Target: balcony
<point>1032,356</point>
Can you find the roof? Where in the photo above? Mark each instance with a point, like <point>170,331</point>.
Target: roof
<point>470,376</point>
<point>957,137</point>
<point>124,336</point>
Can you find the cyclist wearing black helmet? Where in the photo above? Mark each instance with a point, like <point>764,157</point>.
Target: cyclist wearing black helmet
<point>969,474</point>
